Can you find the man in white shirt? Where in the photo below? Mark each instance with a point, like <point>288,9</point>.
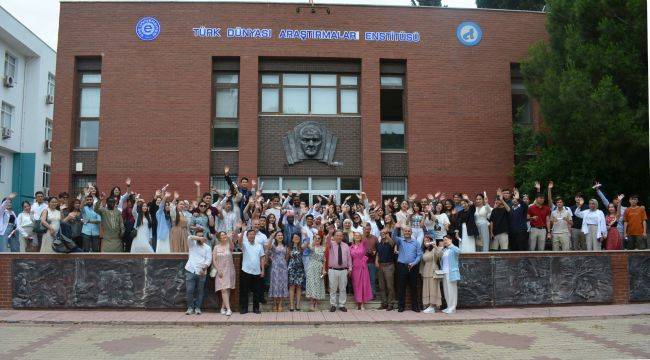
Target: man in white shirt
<point>252,271</point>
<point>37,209</point>
<point>561,221</point>
<point>200,257</point>
<point>259,236</point>
<point>39,205</point>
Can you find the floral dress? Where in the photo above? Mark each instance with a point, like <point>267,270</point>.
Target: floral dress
<point>222,261</point>
<point>278,287</point>
<point>315,284</point>
<point>296,268</point>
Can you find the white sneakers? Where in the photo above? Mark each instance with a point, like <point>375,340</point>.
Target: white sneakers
<point>226,312</point>
<point>189,311</point>
<point>429,310</point>
<point>447,311</point>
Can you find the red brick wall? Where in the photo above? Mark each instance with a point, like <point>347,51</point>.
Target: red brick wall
<point>156,105</point>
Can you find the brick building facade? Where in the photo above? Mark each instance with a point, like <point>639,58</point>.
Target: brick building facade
<point>144,91</point>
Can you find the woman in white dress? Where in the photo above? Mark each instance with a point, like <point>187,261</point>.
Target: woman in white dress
<point>142,241</point>
<point>481,216</point>
<point>51,219</point>
<point>25,226</point>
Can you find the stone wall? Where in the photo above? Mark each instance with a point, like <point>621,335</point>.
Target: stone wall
<point>151,281</point>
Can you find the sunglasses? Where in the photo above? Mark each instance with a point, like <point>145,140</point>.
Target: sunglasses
<point>201,206</point>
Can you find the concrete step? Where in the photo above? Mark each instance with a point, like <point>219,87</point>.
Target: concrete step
<point>322,305</point>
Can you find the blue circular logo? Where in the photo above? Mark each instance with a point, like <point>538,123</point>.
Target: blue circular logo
<point>147,28</point>
<point>469,33</point>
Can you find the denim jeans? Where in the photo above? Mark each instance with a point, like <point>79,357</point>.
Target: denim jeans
<point>4,245</point>
<point>13,242</point>
<point>193,283</point>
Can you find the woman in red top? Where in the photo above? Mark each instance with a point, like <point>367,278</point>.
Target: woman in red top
<point>613,236</point>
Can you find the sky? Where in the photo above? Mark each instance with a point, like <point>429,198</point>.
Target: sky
<point>42,16</point>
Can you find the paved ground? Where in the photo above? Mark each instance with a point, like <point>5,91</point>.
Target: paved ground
<point>611,338</point>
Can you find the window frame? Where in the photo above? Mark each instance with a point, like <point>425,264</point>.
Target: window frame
<point>78,179</point>
<point>3,114</point>
<point>46,178</point>
<point>280,86</point>
<point>51,84</point>
<point>87,85</point>
<point>310,191</point>
<point>224,120</point>
<point>385,194</point>
<point>8,56</point>
<point>404,111</point>
<point>2,168</point>
<point>49,127</point>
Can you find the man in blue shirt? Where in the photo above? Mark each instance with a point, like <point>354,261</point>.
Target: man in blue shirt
<point>408,257</point>
<point>90,229</point>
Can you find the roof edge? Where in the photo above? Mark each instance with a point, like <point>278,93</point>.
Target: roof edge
<point>301,4</point>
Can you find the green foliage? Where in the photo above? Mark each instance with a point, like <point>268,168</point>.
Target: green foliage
<point>591,81</point>
<point>536,5</point>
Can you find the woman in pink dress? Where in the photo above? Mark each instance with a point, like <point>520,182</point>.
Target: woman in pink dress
<point>224,279</point>
<point>360,274</point>
<point>613,236</point>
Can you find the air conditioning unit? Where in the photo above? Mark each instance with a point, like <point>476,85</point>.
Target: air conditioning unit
<point>49,99</point>
<point>47,146</point>
<point>6,133</point>
<point>9,81</point>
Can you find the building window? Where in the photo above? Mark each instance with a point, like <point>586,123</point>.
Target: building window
<point>7,115</point>
<point>10,65</point>
<point>89,101</point>
<point>80,182</point>
<point>219,183</point>
<point>225,131</point>
<point>48,129</point>
<point>392,112</point>
<point>522,112</point>
<point>316,94</point>
<point>50,85</point>
<point>46,178</point>
<point>393,187</point>
<point>312,187</point>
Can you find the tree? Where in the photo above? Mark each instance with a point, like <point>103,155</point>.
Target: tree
<point>426,2</point>
<point>536,5</point>
<point>591,82</point>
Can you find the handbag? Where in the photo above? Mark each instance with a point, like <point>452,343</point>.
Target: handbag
<point>39,228</point>
<point>62,243</point>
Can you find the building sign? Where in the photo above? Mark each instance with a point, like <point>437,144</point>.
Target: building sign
<point>310,140</point>
<point>147,28</point>
<point>469,33</point>
<point>303,34</point>
<point>306,34</point>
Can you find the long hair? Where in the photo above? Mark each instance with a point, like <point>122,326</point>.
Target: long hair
<point>138,222</point>
<point>178,216</point>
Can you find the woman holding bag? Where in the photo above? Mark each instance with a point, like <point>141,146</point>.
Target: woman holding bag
<point>51,220</point>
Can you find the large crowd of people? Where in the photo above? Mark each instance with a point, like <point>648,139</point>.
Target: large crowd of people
<point>375,248</point>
